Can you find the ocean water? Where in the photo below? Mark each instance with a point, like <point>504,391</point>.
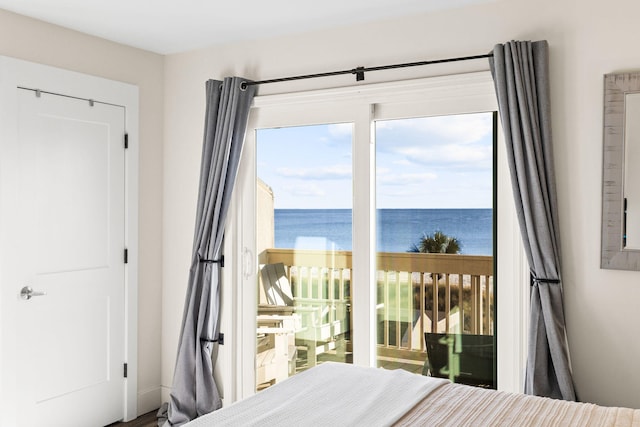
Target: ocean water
<point>397,229</point>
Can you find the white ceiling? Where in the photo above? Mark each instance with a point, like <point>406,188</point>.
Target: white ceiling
<point>171,26</point>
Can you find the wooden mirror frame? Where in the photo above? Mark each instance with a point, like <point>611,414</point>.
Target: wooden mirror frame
<point>614,255</point>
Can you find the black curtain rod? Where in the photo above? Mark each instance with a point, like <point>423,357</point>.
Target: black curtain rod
<point>359,71</point>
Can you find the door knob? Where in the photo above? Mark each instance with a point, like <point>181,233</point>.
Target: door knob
<point>27,293</point>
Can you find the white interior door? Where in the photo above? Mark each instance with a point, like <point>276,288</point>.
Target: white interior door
<point>70,195</point>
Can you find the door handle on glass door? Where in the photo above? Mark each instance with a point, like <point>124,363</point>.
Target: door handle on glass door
<point>27,293</point>
<point>247,263</point>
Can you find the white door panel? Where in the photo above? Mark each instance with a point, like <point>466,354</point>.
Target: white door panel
<point>70,341</point>
<point>72,167</point>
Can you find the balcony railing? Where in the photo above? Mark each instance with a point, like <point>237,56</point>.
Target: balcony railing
<point>416,293</point>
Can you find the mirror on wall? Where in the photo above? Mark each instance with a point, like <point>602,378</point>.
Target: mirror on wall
<point>621,175</point>
<point>631,182</point>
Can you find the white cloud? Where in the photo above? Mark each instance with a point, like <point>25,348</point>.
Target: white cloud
<point>461,129</point>
<point>321,173</point>
<point>402,162</point>
<point>456,154</point>
<point>443,141</point>
<point>305,191</point>
<point>404,179</point>
<point>340,129</point>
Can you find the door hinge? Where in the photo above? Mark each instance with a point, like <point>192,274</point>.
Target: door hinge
<point>126,141</point>
<point>126,256</point>
<point>125,370</point>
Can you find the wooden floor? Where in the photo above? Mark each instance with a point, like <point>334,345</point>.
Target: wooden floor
<point>147,420</point>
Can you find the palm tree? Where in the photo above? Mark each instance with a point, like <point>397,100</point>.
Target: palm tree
<point>438,242</point>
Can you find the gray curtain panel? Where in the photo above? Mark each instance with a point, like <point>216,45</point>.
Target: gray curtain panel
<point>194,391</point>
<point>521,76</point>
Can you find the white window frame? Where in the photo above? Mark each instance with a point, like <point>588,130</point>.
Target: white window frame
<point>362,105</point>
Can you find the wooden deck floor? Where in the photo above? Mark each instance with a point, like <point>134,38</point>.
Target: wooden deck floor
<point>383,362</point>
<point>413,366</point>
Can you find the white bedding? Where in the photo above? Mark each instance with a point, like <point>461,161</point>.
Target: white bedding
<point>331,394</point>
<point>334,394</point>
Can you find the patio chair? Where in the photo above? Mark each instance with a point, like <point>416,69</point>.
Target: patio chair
<point>323,321</point>
<point>276,351</point>
<point>463,358</point>
<point>272,357</point>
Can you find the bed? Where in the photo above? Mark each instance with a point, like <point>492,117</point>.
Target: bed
<point>335,394</point>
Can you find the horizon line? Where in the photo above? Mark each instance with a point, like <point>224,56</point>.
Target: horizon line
<point>348,209</point>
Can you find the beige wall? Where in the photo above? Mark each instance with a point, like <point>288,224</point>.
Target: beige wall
<point>587,40</point>
<point>39,42</point>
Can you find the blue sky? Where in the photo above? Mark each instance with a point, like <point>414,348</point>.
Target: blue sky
<point>432,162</point>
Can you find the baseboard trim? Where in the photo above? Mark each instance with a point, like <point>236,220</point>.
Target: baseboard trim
<point>165,393</point>
<point>149,400</point>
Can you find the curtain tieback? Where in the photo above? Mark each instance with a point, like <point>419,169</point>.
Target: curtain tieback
<point>537,280</point>
<point>214,261</point>
<point>219,340</point>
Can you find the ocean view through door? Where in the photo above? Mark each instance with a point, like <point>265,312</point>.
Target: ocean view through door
<point>344,195</point>
<point>435,246</point>
<point>304,201</point>
<point>434,182</point>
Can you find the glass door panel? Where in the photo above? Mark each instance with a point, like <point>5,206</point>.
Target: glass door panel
<point>304,218</point>
<point>434,207</point>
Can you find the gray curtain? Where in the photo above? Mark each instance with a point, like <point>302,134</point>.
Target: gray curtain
<point>194,391</point>
<point>521,76</point>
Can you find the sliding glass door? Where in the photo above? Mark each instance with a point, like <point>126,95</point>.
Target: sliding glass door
<point>434,228</point>
<point>343,195</point>
<point>304,242</point>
